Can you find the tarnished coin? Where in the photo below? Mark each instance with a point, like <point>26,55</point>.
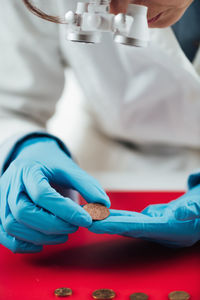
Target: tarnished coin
<point>139,296</point>
<point>103,294</point>
<point>63,292</point>
<point>97,211</point>
<point>179,295</point>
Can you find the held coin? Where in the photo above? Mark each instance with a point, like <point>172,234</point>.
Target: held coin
<point>97,211</point>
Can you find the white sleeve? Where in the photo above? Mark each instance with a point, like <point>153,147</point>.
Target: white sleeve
<point>31,73</point>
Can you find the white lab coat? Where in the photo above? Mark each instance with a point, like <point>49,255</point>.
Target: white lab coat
<point>149,97</point>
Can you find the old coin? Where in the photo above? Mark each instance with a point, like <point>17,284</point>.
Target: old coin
<point>179,295</point>
<point>63,292</point>
<point>97,211</point>
<point>103,294</point>
<point>139,296</point>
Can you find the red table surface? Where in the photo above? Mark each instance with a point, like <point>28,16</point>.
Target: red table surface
<point>89,261</point>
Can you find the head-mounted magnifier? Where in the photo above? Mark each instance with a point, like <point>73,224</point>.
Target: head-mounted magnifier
<point>90,19</point>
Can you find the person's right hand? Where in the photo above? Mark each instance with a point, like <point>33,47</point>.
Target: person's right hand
<point>32,212</point>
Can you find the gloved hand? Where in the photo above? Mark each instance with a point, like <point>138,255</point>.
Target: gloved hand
<point>32,213</point>
<point>176,224</point>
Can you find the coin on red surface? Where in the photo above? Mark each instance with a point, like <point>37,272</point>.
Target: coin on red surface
<point>179,295</point>
<point>97,211</point>
<point>102,294</point>
<point>139,296</point>
<point>63,292</point>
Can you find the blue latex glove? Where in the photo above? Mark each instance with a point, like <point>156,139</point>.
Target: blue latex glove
<point>176,224</point>
<point>32,213</point>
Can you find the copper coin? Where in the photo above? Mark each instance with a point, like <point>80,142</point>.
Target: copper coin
<point>63,292</point>
<point>179,295</point>
<point>103,294</point>
<point>139,296</point>
<point>97,211</point>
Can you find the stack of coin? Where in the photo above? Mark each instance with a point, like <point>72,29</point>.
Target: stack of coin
<point>63,292</point>
<point>97,211</point>
<point>103,294</point>
<point>179,295</point>
<point>139,296</point>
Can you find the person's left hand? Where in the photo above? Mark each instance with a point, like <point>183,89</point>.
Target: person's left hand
<point>175,224</point>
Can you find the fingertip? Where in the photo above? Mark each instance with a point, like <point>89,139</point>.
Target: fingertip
<point>103,194</point>
<point>105,200</point>
<point>86,220</point>
<point>93,192</point>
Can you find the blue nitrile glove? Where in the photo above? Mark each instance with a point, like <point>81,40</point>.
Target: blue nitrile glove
<point>176,224</point>
<point>32,213</point>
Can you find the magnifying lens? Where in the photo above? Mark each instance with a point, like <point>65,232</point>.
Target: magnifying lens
<point>92,18</point>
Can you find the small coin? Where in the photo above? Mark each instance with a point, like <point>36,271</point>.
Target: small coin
<point>63,292</point>
<point>139,296</point>
<point>97,211</point>
<point>179,295</point>
<point>103,294</point>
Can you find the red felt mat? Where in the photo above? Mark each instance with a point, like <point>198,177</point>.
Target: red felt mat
<point>89,261</point>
